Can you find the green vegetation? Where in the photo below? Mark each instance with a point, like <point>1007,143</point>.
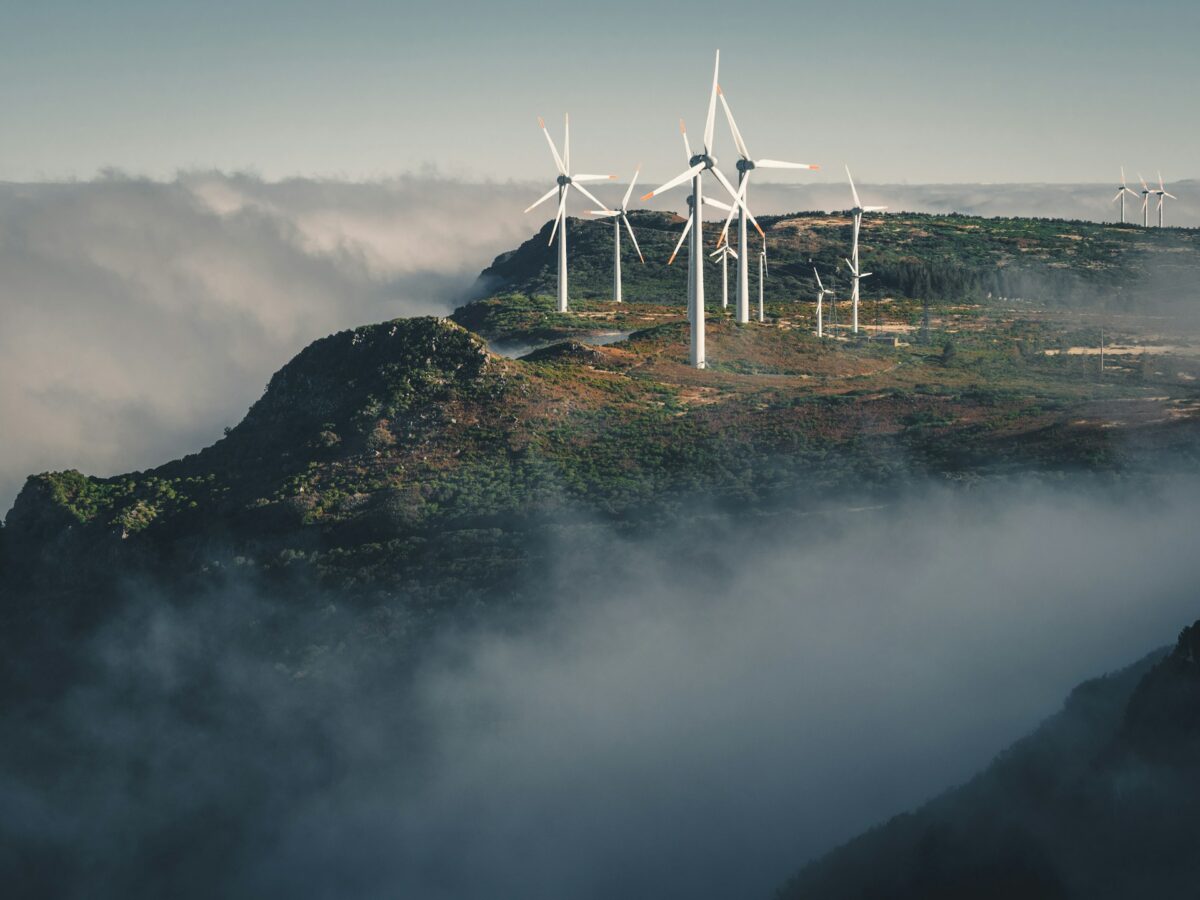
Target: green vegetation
<point>405,457</point>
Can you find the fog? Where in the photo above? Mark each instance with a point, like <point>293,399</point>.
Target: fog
<point>138,318</point>
<point>677,722</point>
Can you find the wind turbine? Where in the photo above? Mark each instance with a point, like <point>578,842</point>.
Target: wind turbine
<point>1121,192</point>
<point>724,251</point>
<point>562,187</point>
<point>762,277</point>
<point>857,213</point>
<point>745,165</point>
<point>1162,198</point>
<point>821,292</point>
<point>1145,201</point>
<point>618,216</point>
<point>698,165</point>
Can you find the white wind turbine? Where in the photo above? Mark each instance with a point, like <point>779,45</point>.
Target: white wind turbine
<point>698,165</point>
<point>564,183</point>
<point>821,292</point>
<point>762,278</point>
<point>745,165</point>
<point>1121,192</point>
<point>619,215</point>
<point>857,213</point>
<point>1145,201</point>
<point>1162,198</point>
<point>725,251</point>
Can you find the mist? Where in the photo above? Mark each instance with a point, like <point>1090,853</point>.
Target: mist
<point>139,318</point>
<point>694,714</point>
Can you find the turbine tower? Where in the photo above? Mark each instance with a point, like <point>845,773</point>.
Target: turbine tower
<point>1162,199</point>
<point>762,277</point>
<point>1145,201</point>
<point>857,213</point>
<point>562,187</point>
<point>1121,192</point>
<point>687,229</point>
<point>745,165</point>
<point>821,292</point>
<point>699,164</point>
<point>619,215</point>
<point>724,251</point>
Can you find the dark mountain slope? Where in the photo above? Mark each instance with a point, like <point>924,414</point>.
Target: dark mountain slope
<point>1103,801</point>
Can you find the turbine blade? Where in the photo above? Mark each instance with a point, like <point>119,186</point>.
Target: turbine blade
<point>633,237</point>
<point>731,251</point>
<point>560,217</point>
<point>1118,197</point>
<point>737,135</point>
<point>818,275</point>
<point>546,196</point>
<point>687,146</point>
<point>718,204</point>
<point>604,213</point>
<point>779,164</point>
<point>682,237</point>
<point>741,194</point>
<point>739,201</point>
<point>1172,196</point>
<point>589,178</point>
<point>567,142</point>
<point>712,108</point>
<point>558,163</point>
<point>629,190</point>
<point>588,194</point>
<point>675,182</point>
<point>853,189</point>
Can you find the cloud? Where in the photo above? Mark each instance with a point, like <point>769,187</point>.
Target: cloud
<point>139,317</point>
<point>693,714</point>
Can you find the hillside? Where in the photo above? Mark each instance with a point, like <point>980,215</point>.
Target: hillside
<point>251,660</point>
<point>1099,803</point>
<point>407,458</point>
<point>911,256</point>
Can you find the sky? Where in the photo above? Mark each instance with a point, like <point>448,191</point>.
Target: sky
<point>919,92</point>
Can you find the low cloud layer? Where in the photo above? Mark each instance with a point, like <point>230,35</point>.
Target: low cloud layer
<point>664,730</point>
<point>138,318</point>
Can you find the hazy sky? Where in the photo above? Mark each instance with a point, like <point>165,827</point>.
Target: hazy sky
<point>938,91</point>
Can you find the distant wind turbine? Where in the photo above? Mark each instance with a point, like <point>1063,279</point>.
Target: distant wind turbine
<point>1162,198</point>
<point>564,183</point>
<point>619,215</point>
<point>1145,201</point>
<point>699,164</point>
<point>1121,192</point>
<point>821,292</point>
<point>745,165</point>
<point>857,213</point>
<point>724,251</point>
